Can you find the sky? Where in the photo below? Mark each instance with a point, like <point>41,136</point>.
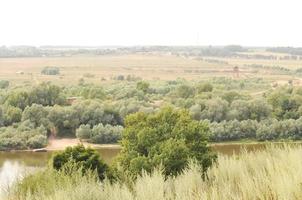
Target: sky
<point>152,22</point>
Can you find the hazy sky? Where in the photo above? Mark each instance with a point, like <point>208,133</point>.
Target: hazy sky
<point>152,22</point>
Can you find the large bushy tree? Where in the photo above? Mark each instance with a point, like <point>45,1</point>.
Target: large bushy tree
<point>169,138</point>
<point>82,158</point>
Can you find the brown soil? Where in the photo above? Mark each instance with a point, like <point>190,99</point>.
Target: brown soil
<point>62,143</point>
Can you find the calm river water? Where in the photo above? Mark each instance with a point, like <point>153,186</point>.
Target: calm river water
<point>15,164</point>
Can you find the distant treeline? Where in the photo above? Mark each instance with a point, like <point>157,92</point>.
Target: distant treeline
<point>289,50</point>
<point>30,51</point>
<point>197,51</point>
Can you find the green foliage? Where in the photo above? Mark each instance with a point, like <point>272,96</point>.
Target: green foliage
<point>102,108</point>
<point>84,131</point>
<point>45,94</point>
<point>233,130</point>
<point>45,184</point>
<point>265,130</point>
<point>92,92</point>
<point>268,170</point>
<point>143,86</point>
<point>9,115</point>
<point>36,115</point>
<point>106,134</point>
<point>286,103</point>
<point>18,98</point>
<point>230,96</point>
<point>67,119</point>
<point>25,136</point>
<point>204,87</point>
<point>100,134</point>
<point>215,110</point>
<point>86,159</point>
<point>185,91</point>
<point>4,84</point>
<point>50,71</point>
<point>169,138</point>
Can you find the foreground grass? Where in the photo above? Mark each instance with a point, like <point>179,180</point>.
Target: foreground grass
<point>275,173</point>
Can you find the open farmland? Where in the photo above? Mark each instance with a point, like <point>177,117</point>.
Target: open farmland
<point>74,68</point>
<point>149,67</point>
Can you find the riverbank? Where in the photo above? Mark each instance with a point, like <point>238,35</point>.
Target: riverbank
<point>60,144</point>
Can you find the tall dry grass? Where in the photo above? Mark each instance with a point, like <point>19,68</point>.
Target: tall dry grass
<point>275,173</point>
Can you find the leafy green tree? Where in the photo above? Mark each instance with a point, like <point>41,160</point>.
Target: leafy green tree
<point>83,158</point>
<point>204,87</point>
<point>4,84</point>
<point>37,115</point>
<point>84,132</point>
<point>47,94</point>
<point>18,98</point>
<point>231,96</point>
<point>143,86</point>
<point>106,134</point>
<point>11,115</point>
<point>65,120</point>
<point>259,109</point>
<point>239,110</point>
<point>215,110</point>
<point>93,92</point>
<point>185,91</point>
<point>23,136</point>
<point>169,138</point>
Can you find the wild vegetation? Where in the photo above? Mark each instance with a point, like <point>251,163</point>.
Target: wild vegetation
<point>270,174</point>
<point>163,118</point>
<point>50,71</point>
<point>97,113</point>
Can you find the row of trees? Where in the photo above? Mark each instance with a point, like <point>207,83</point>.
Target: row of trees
<point>64,120</point>
<point>23,136</point>
<point>100,134</point>
<point>96,106</point>
<point>270,129</point>
<point>217,110</point>
<point>45,94</point>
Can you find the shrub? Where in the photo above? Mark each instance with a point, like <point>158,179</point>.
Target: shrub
<point>4,84</point>
<point>100,134</point>
<point>25,136</point>
<point>86,159</point>
<point>143,86</point>
<point>37,141</point>
<point>185,91</point>
<point>83,132</point>
<point>50,71</point>
<point>204,87</point>
<point>106,134</point>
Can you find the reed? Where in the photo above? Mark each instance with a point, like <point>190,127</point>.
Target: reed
<point>273,173</point>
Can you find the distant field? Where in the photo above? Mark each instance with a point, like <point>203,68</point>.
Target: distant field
<point>290,64</point>
<point>150,67</point>
<point>73,68</point>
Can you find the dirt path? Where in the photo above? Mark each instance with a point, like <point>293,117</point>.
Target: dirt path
<point>61,143</point>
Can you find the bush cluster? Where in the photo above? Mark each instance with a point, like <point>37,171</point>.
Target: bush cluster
<point>25,136</point>
<point>100,134</point>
